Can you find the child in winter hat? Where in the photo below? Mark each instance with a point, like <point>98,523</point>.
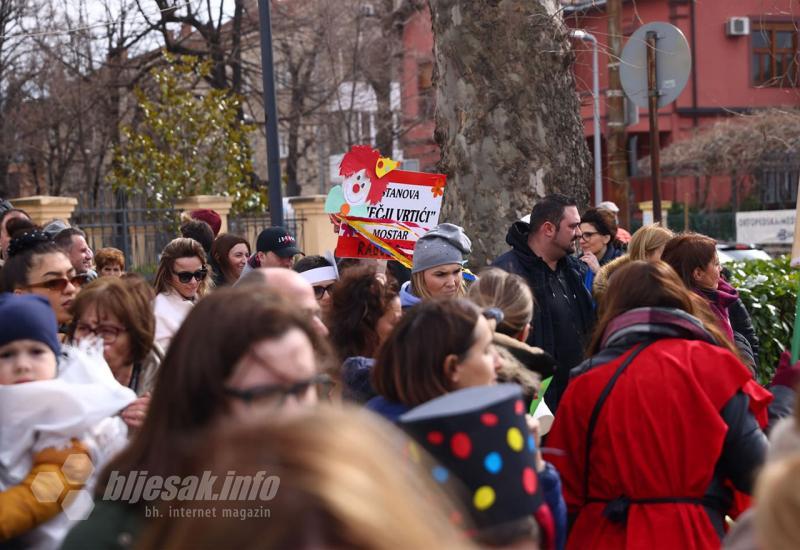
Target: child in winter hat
<point>28,318</point>
<point>50,396</point>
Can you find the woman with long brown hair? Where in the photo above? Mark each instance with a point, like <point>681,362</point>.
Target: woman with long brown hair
<point>345,482</point>
<point>240,356</point>
<point>229,255</point>
<point>437,347</point>
<point>181,280</point>
<point>657,422</point>
<point>694,258</point>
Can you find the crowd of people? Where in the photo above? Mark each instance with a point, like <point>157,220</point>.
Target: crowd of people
<point>589,389</point>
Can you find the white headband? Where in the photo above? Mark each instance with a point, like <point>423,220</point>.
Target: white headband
<point>318,274</point>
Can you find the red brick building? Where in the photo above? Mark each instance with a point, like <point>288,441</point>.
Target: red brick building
<point>418,99</point>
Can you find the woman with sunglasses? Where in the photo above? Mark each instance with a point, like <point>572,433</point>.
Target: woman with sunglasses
<point>36,265</point>
<point>182,279</point>
<point>239,357</point>
<point>321,273</point>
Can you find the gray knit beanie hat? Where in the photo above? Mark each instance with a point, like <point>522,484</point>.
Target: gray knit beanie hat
<point>444,244</point>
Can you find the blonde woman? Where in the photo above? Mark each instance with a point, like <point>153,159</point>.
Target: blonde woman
<point>646,244</point>
<point>182,279</point>
<point>437,271</point>
<point>512,296</point>
<point>346,480</point>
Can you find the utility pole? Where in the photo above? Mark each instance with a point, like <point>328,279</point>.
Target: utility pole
<point>615,109</point>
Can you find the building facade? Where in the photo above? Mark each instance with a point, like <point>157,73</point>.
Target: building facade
<point>744,58</point>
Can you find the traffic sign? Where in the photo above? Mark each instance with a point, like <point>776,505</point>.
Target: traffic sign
<point>673,62</point>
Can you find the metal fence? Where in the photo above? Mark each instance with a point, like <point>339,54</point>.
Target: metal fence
<point>124,221</point>
<point>719,225</point>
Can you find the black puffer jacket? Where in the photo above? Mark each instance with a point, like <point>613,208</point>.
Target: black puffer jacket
<point>566,346</point>
<point>742,324</point>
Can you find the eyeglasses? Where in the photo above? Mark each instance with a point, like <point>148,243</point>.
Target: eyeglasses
<point>319,291</point>
<point>59,284</point>
<point>280,392</point>
<point>186,276</point>
<point>107,333</point>
<point>586,235</point>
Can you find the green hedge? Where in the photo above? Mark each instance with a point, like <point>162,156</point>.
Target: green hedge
<point>769,291</point>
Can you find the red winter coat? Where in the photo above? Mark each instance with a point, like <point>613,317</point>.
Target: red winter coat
<point>658,435</point>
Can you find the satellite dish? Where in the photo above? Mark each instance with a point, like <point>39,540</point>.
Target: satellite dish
<point>673,64</point>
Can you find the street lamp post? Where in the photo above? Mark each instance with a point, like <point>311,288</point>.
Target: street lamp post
<point>598,161</point>
<point>271,115</point>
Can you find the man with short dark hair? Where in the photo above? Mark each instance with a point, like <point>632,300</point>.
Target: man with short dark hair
<point>542,253</point>
<point>73,242</point>
<point>275,247</point>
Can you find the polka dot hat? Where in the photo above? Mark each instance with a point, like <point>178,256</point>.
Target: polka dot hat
<point>480,436</point>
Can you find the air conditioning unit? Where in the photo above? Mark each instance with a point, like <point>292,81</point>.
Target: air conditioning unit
<point>737,26</point>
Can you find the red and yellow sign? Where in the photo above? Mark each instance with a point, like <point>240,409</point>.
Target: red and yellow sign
<point>381,211</point>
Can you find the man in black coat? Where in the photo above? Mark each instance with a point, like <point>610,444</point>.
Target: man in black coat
<point>563,314</point>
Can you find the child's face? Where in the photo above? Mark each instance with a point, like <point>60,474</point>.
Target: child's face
<point>26,361</point>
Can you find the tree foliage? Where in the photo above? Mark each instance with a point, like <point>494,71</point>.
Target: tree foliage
<point>769,290</point>
<point>186,140</point>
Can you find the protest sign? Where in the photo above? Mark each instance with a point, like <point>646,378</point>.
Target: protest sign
<point>382,211</point>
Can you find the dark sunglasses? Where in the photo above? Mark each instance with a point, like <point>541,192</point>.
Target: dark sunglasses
<point>322,383</point>
<point>186,276</point>
<point>58,285</point>
<point>319,291</point>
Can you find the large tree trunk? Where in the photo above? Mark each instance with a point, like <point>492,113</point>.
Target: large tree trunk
<point>507,115</point>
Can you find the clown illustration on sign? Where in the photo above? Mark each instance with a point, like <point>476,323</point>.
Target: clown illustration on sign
<point>363,170</point>
<point>380,211</point>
